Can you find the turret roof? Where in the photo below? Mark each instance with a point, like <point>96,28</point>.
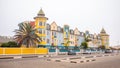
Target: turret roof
<point>103,31</point>
<point>41,12</point>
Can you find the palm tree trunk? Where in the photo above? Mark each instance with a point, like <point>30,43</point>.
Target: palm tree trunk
<point>27,43</point>
<point>20,44</point>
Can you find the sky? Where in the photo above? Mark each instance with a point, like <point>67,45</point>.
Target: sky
<point>91,15</point>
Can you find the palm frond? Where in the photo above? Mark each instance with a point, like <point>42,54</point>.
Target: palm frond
<point>26,35</point>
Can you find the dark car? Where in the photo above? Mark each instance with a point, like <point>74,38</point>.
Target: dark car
<point>71,52</point>
<point>108,51</point>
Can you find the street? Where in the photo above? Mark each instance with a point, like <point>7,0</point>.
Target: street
<point>101,62</point>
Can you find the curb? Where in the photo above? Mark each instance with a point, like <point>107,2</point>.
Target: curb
<point>20,57</point>
<point>80,59</point>
<point>72,61</point>
<point>83,61</point>
<point>6,57</point>
<point>40,56</point>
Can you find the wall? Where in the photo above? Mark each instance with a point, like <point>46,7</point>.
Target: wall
<point>18,51</point>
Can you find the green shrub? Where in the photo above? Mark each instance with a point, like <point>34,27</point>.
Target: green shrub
<point>42,46</point>
<point>84,45</point>
<point>9,44</point>
<point>5,45</point>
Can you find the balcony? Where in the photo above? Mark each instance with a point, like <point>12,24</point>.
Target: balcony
<point>41,34</point>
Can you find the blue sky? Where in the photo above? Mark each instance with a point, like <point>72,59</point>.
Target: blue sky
<point>89,15</point>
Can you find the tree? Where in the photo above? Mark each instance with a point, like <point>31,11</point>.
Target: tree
<point>66,44</point>
<point>26,35</point>
<point>84,45</point>
<point>102,47</point>
<point>5,45</point>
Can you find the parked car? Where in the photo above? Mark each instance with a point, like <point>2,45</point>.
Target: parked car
<point>71,52</point>
<point>108,51</point>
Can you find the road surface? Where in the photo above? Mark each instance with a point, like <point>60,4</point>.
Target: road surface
<point>101,62</point>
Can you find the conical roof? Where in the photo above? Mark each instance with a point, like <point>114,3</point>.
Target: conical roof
<point>103,31</point>
<point>41,12</point>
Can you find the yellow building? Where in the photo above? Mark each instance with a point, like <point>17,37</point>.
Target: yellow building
<point>66,34</point>
<point>104,38</point>
<point>40,24</point>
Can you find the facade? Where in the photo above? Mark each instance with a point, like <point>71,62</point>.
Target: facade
<point>71,38</point>
<point>54,35</point>
<point>60,36</point>
<point>48,35</point>
<point>104,38</point>
<point>40,24</point>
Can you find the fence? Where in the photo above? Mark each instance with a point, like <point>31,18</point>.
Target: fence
<point>20,51</point>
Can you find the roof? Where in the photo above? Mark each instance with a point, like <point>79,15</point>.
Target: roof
<point>41,12</point>
<point>103,30</point>
<point>71,31</point>
<point>53,23</point>
<point>32,23</point>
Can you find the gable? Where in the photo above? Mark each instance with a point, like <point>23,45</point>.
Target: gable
<point>54,26</point>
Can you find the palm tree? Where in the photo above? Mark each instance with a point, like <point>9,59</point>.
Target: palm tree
<point>66,44</point>
<point>26,35</point>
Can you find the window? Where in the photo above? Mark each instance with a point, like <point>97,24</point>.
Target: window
<point>40,31</point>
<point>71,36</point>
<point>44,23</point>
<point>55,33</point>
<point>48,27</point>
<point>40,23</point>
<point>43,38</point>
<point>52,33</point>
<point>47,32</point>
<point>48,41</point>
<point>59,29</point>
<point>43,31</point>
<point>53,27</point>
<point>55,40</point>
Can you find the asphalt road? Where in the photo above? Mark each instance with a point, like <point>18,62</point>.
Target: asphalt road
<point>101,62</point>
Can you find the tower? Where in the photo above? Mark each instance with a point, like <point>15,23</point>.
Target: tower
<point>66,34</point>
<point>104,38</point>
<point>40,25</point>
